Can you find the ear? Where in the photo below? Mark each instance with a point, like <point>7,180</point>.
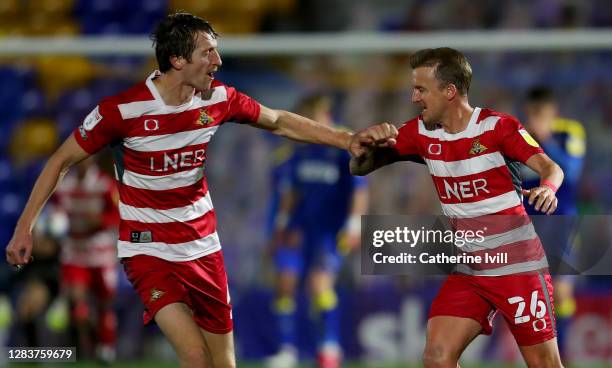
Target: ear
<point>450,91</point>
<point>178,62</point>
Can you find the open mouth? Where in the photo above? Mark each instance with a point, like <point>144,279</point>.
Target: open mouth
<point>211,75</point>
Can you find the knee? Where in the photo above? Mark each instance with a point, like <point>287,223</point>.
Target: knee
<point>226,361</point>
<point>194,357</point>
<point>545,362</point>
<point>438,357</point>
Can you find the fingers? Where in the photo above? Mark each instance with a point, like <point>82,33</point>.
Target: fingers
<point>380,135</point>
<point>543,199</point>
<point>553,206</point>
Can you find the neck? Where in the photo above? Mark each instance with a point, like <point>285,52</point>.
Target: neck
<point>172,90</point>
<point>456,119</point>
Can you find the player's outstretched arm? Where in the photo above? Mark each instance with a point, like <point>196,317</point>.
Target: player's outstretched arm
<point>551,177</point>
<point>19,249</point>
<point>301,129</point>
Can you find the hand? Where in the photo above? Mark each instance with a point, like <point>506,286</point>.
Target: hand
<point>544,198</point>
<point>19,250</point>
<point>381,135</point>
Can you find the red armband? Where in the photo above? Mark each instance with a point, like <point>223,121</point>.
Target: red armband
<point>550,185</point>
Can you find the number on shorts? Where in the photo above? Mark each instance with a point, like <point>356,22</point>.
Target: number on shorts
<point>537,308</point>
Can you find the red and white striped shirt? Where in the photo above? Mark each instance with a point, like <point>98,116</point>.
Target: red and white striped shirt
<point>475,173</point>
<point>89,203</point>
<point>159,150</point>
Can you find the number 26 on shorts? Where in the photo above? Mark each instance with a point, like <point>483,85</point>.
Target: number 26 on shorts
<point>537,309</point>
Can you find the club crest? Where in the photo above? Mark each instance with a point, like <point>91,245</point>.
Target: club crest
<point>156,294</point>
<point>204,118</point>
<point>477,147</point>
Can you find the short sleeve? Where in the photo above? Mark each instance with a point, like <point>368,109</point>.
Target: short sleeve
<point>515,142</point>
<point>242,108</point>
<point>101,127</point>
<point>406,139</point>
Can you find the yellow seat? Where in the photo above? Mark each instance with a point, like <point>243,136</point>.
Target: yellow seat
<point>42,24</point>
<point>55,8</point>
<point>11,9</point>
<point>33,139</point>
<point>59,73</point>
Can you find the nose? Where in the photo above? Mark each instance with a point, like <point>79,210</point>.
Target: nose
<point>216,58</point>
<point>416,96</point>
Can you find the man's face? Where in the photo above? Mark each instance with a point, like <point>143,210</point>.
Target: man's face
<point>205,60</point>
<point>539,118</point>
<point>426,94</point>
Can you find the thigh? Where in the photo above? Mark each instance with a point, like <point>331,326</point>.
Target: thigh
<point>448,336</point>
<point>321,252</point>
<point>176,322</point>
<point>545,354</point>
<point>206,281</point>
<point>220,348</point>
<point>526,303</point>
<point>105,281</point>
<point>460,297</point>
<point>156,283</point>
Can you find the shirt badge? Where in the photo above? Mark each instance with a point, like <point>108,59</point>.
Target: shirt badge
<point>156,294</point>
<point>477,147</point>
<point>204,118</point>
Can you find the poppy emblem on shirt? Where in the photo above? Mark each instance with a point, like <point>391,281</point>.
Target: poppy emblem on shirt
<point>156,294</point>
<point>204,118</point>
<point>477,147</point>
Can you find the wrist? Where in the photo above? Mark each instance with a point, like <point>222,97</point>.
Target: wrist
<point>23,227</point>
<point>549,184</point>
<point>346,140</point>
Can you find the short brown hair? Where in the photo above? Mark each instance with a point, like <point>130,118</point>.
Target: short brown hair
<point>176,36</point>
<point>450,66</point>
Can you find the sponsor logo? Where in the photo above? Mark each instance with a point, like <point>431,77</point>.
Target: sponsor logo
<point>477,147</point>
<point>528,138</point>
<point>176,161</point>
<point>151,124</point>
<point>434,148</point>
<point>204,118</point>
<point>92,119</point>
<point>156,294</point>
<point>464,189</point>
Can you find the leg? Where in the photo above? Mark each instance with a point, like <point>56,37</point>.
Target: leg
<point>543,355</point>
<point>105,284</point>
<point>176,322</point>
<point>325,303</point>
<point>220,348</point>
<point>31,303</point>
<point>447,337</point>
<point>458,314</point>
<point>288,266</point>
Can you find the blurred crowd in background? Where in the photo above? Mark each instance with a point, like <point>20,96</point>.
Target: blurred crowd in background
<point>43,98</point>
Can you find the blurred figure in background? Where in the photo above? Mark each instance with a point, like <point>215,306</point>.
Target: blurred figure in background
<point>564,140</point>
<point>37,284</point>
<point>317,221</point>
<point>88,256</point>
